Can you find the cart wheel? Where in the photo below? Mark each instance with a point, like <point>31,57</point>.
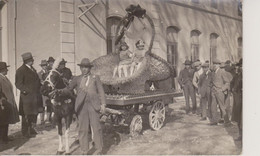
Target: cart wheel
<point>157,115</point>
<point>136,125</point>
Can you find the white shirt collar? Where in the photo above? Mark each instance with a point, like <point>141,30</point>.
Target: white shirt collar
<point>28,66</point>
<point>2,75</point>
<point>217,70</point>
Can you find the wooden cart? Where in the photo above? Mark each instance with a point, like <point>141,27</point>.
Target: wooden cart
<point>126,110</point>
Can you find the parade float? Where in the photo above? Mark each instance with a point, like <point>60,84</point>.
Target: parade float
<point>129,97</point>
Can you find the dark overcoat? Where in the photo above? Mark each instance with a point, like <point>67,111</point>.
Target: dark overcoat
<point>8,115</point>
<point>237,94</point>
<point>28,82</point>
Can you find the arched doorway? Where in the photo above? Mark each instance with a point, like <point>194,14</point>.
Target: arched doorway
<point>172,49</point>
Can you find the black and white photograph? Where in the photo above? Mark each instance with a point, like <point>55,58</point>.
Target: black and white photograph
<point>121,77</point>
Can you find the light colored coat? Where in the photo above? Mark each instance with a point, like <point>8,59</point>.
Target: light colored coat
<point>93,93</point>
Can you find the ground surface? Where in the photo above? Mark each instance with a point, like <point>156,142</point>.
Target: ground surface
<point>182,135</point>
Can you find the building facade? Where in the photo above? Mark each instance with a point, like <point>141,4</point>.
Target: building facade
<point>73,29</point>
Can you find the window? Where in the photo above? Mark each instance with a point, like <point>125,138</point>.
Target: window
<point>213,46</point>
<point>112,23</point>
<point>172,49</point>
<point>239,49</point>
<point>214,4</point>
<point>195,45</point>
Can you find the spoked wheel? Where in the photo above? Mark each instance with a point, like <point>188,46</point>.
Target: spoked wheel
<point>157,115</point>
<point>136,125</point>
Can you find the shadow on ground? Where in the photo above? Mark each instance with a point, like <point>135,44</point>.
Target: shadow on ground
<point>20,140</point>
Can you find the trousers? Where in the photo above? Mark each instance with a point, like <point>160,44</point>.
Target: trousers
<point>88,117</point>
<point>189,92</point>
<point>27,122</point>
<point>218,98</point>
<point>4,132</point>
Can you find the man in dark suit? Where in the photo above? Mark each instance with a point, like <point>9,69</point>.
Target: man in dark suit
<point>204,86</point>
<point>28,82</point>
<point>185,81</point>
<point>220,87</point>
<point>90,101</point>
<point>238,98</point>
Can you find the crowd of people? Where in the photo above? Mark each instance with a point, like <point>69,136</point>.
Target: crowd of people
<point>215,85</point>
<point>90,99</point>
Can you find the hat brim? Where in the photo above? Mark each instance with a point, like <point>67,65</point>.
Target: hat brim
<point>84,65</point>
<point>4,68</point>
<point>29,59</point>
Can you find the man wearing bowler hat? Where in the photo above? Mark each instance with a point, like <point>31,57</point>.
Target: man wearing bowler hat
<point>28,82</point>
<point>90,101</point>
<point>8,109</point>
<point>185,81</point>
<point>220,87</point>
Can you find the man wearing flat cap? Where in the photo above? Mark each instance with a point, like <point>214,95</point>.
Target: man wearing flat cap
<point>90,101</point>
<point>220,87</point>
<point>8,109</point>
<point>28,82</point>
<point>185,81</point>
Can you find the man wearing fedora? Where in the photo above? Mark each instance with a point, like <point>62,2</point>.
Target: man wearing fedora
<point>65,72</point>
<point>46,102</point>
<point>185,81</point>
<point>50,61</point>
<point>8,109</point>
<point>220,87</point>
<point>224,66</point>
<point>204,87</point>
<point>90,101</point>
<point>28,82</point>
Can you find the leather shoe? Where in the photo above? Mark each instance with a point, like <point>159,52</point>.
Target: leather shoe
<point>213,123</point>
<point>228,124</point>
<point>33,131</point>
<point>203,119</point>
<point>221,121</point>
<point>8,139</point>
